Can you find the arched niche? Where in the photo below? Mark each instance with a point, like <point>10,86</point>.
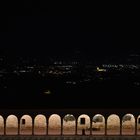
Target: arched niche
<point>128,125</point>
<point>98,125</point>
<point>54,125</point>
<point>113,125</point>
<point>26,125</point>
<point>69,125</point>
<point>138,125</point>
<point>40,125</point>
<point>1,125</point>
<point>83,125</point>
<point>12,125</point>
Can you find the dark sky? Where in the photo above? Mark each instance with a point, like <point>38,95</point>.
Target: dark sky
<point>55,35</point>
<point>39,29</point>
<point>62,36</point>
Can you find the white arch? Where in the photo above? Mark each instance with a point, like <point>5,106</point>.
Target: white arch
<point>128,124</point>
<point>54,125</point>
<point>113,125</point>
<point>40,125</point>
<point>69,125</point>
<point>138,125</point>
<point>83,125</point>
<point>1,125</point>
<point>98,125</point>
<point>12,125</point>
<point>26,125</point>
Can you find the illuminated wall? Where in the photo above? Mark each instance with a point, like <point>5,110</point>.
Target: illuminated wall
<point>70,125</point>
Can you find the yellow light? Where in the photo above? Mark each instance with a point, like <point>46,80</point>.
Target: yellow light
<point>101,70</point>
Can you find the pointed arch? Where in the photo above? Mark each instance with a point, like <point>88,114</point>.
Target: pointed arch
<point>113,125</point>
<point>26,125</point>
<point>12,125</point>
<point>128,124</point>
<point>69,125</point>
<point>138,125</point>
<point>1,125</point>
<point>98,125</point>
<point>54,125</point>
<point>83,125</point>
<point>40,125</point>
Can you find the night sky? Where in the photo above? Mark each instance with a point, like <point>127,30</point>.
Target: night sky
<point>55,36</point>
<point>42,29</point>
<point>63,35</point>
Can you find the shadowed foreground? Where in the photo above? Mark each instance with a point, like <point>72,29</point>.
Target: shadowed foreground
<point>69,137</point>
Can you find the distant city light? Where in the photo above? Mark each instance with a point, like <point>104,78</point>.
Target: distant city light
<point>47,92</point>
<point>101,70</point>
